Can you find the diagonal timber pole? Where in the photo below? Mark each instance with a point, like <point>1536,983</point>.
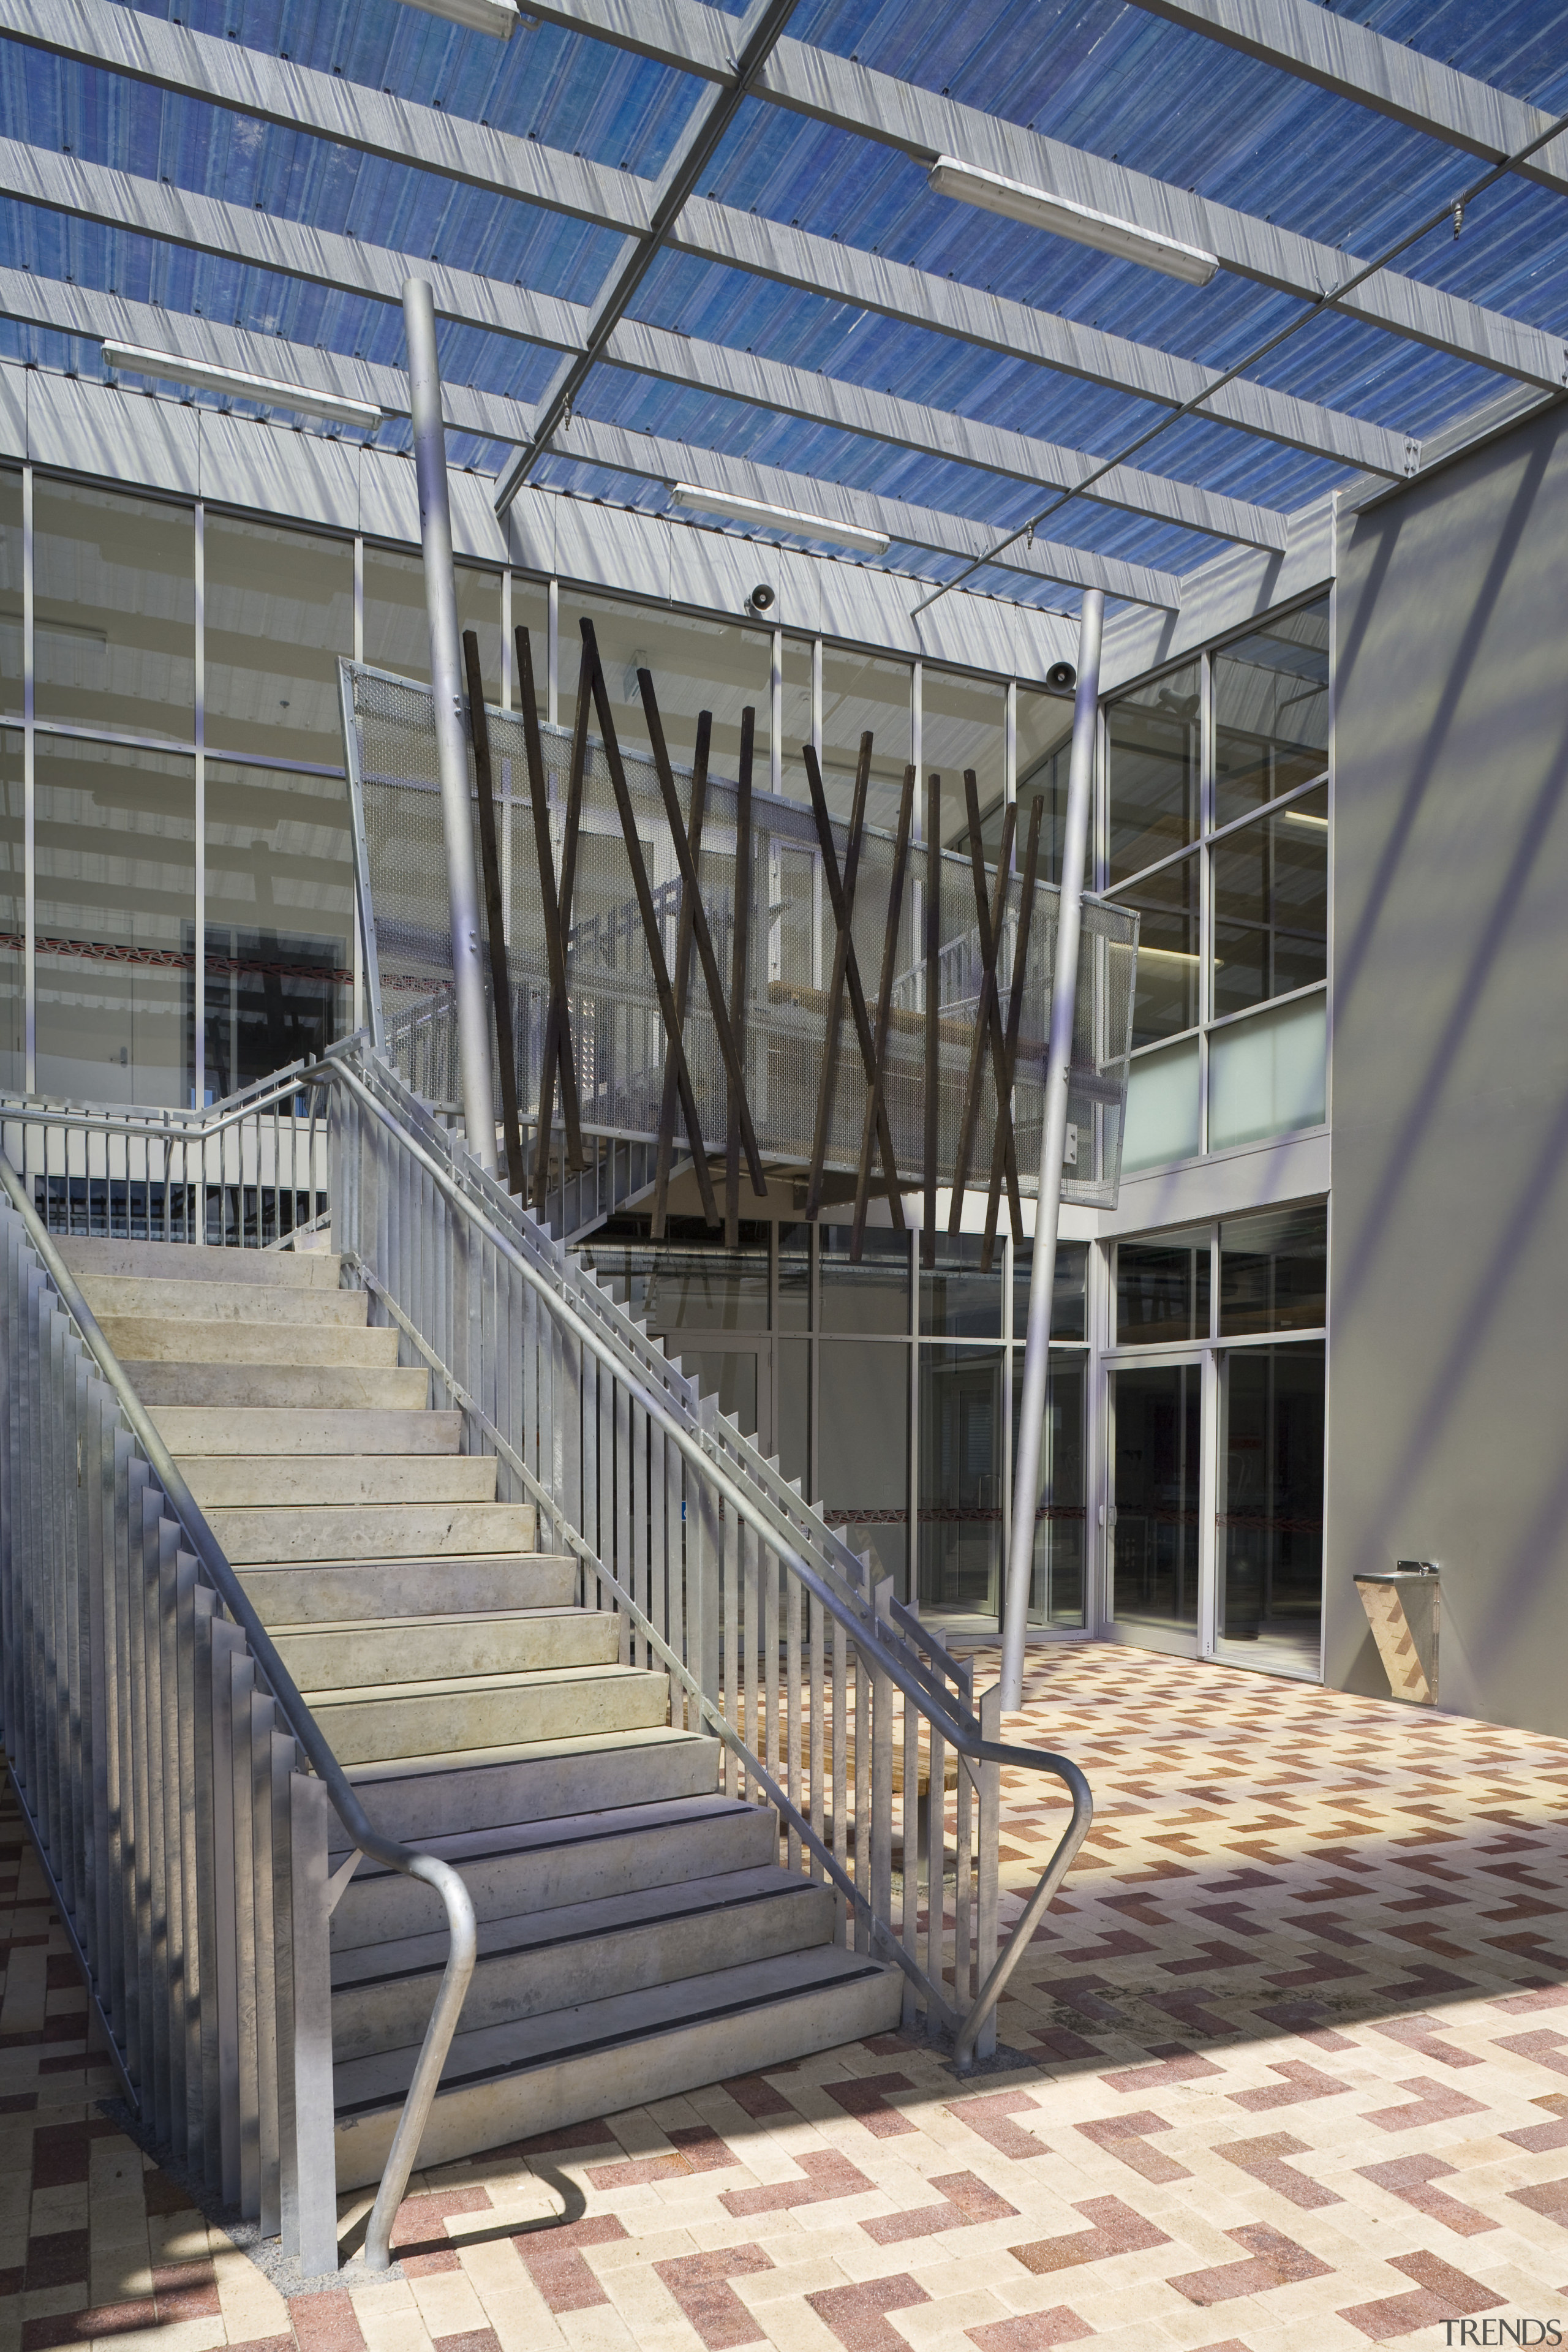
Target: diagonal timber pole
<point>451,721</point>
<point>1053,1143</point>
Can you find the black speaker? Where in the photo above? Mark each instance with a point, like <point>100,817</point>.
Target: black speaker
<point>1062,677</point>
<point>761,597</point>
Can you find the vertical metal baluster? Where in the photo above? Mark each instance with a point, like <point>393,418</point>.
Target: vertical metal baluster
<point>791,1782</point>
<point>910,1833</point>
<point>166,1760</point>
<point>151,1874</point>
<point>248,2001</point>
<point>988,1862</point>
<point>658,1537</point>
<point>962,1872</point>
<point>315,2156</point>
<point>936,1863</point>
<point>127,1820</point>
<point>881,1889</point>
<point>624,1559</point>
<point>839,1761</point>
<point>770,1744</point>
<point>814,1811</point>
<point>189,1796</point>
<point>280,1758</point>
<point>729,1539</point>
<point>604,1543</point>
<point>263,1718</point>
<point>675,1576</point>
<point>751,1703</point>
<point>862,1739</point>
<point>227,1649</point>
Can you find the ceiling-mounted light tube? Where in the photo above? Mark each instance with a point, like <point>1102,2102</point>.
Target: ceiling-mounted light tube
<point>497,17</point>
<point>753,511</point>
<point>1041,209</point>
<point>170,368</point>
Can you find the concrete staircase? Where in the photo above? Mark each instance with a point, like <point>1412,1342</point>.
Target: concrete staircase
<point>638,1936</point>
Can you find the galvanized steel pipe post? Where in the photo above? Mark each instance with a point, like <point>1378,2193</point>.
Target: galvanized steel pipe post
<point>451,726</point>
<point>1030,1428</point>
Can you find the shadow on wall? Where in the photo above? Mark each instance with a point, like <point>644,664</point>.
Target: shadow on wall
<point>1451,1124</point>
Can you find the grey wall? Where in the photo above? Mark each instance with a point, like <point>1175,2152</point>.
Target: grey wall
<point>1448,1355</point>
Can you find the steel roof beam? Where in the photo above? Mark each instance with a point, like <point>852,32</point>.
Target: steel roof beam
<point>922,124</point>
<point>153,208</point>
<point>1335,54</point>
<point>755,35</point>
<point>79,310</point>
<point>206,224</point>
<point>622,450</point>
<point>225,74</point>
<point>939,432</point>
<point>870,281</point>
<point>95,317</point>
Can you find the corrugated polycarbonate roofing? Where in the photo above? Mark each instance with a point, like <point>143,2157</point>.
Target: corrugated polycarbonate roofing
<point>1122,84</point>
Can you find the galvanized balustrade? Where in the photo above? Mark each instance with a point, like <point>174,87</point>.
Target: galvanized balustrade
<point>180,1788</point>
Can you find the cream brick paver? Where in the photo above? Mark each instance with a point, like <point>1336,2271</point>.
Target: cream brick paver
<point>1277,1875</point>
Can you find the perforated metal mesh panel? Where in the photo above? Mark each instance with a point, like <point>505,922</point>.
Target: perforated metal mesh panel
<point>617,1032</point>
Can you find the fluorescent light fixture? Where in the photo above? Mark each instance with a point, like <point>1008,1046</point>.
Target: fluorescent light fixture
<point>1305,816</point>
<point>497,17</point>
<point>169,368</point>
<point>806,526</point>
<point>950,177</point>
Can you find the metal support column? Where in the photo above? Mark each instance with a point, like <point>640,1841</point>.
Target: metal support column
<point>451,730</point>
<point>1053,1143</point>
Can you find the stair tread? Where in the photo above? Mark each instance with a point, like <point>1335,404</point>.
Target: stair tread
<point>570,1923</point>
<point>440,1762</point>
<point>300,1432</point>
<point>361,2085</point>
<point>442,1559</point>
<point>569,1829</point>
<point>426,1620</point>
<point>520,1678</point>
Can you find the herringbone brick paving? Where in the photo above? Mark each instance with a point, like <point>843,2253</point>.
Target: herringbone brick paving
<point>1299,2042</point>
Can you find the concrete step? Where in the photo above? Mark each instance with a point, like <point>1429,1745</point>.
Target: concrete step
<point>298,1387</point>
<point>134,1296</point>
<point>520,1868</point>
<point>331,1592</point>
<point>367,1722</point>
<point>374,1531</point>
<point>178,1340</point>
<point>260,1481</point>
<point>190,1430</point>
<point>177,1262</point>
<point>404,1649</point>
<point>505,2082</point>
<point>419,1799</point>
<point>579,1953</point>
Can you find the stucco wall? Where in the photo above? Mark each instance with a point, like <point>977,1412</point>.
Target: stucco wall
<point>1449,1358</point>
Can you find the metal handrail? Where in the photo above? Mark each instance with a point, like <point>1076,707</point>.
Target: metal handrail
<point>460,1919</point>
<point>962,1731</point>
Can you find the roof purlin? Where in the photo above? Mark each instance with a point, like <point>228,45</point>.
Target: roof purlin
<point>82,311</point>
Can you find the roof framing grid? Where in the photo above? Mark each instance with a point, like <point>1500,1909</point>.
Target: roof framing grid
<point>1350,59</point>
<point>225,74</point>
<point>923,125</point>
<point>97,317</point>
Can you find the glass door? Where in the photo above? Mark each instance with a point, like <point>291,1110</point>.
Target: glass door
<point>1269,1525</point>
<point>1153,1515</point>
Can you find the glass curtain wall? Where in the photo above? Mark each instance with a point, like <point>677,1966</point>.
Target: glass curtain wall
<point>1216,828</point>
<point>891,1391</point>
<point>1237,1311</point>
